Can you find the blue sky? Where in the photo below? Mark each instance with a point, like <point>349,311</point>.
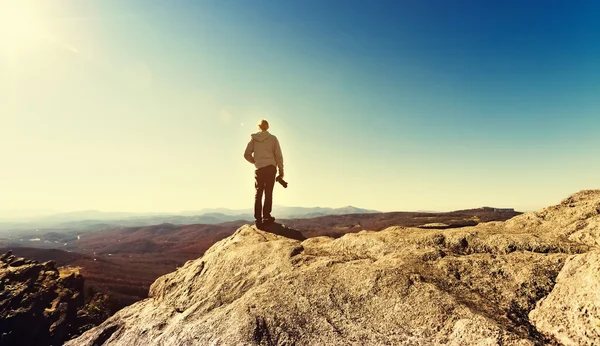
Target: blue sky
<point>390,105</point>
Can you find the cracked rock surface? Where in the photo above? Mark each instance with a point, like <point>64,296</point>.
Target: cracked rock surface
<point>532,280</point>
<point>37,305</point>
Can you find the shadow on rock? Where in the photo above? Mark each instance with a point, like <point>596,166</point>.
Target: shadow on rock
<point>282,230</point>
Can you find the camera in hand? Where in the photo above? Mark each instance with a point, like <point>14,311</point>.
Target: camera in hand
<point>281,181</point>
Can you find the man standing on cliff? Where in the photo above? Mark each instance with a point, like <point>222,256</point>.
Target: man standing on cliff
<point>264,152</point>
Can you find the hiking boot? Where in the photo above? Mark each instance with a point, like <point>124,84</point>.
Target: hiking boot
<point>269,220</point>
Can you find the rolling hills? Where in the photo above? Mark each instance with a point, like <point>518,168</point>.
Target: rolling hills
<point>124,261</point>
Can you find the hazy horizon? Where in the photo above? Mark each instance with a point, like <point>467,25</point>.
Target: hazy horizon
<point>33,213</point>
<point>147,106</point>
<point>24,213</point>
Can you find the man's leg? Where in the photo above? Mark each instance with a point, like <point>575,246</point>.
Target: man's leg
<point>269,184</point>
<point>259,187</point>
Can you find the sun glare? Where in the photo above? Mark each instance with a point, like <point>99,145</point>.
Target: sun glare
<point>21,25</point>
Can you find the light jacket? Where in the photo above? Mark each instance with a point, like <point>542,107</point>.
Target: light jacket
<point>266,150</point>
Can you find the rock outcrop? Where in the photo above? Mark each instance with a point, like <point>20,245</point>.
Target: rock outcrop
<point>37,305</point>
<point>43,305</point>
<point>571,312</point>
<point>532,280</point>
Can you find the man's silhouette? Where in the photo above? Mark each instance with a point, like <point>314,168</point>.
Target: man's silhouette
<point>264,152</point>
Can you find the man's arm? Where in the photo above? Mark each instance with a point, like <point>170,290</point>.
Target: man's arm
<point>278,157</point>
<point>249,150</point>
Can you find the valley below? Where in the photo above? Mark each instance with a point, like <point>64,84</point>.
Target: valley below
<point>124,261</point>
<point>530,280</point>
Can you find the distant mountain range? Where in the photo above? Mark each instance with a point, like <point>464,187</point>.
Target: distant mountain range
<point>91,220</point>
<point>286,212</point>
<point>126,260</point>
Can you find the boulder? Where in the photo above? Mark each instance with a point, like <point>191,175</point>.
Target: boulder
<point>571,312</point>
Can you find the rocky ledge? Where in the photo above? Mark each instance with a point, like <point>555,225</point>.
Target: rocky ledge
<point>43,305</point>
<point>37,305</point>
<point>532,280</point>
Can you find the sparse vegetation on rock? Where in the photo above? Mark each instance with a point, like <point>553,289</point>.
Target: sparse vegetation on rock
<point>44,305</point>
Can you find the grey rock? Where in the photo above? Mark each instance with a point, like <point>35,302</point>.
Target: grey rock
<point>571,312</point>
<point>37,307</point>
<point>6,255</point>
<point>400,286</point>
<point>18,262</point>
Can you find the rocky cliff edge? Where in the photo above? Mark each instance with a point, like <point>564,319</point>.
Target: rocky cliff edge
<point>532,280</point>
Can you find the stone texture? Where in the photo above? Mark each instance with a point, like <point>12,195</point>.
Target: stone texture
<point>464,286</point>
<point>44,305</point>
<point>37,306</point>
<point>571,312</point>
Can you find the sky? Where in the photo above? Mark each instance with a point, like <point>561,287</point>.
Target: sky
<point>148,105</point>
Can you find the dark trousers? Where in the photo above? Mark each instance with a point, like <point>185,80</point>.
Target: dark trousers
<point>264,180</point>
